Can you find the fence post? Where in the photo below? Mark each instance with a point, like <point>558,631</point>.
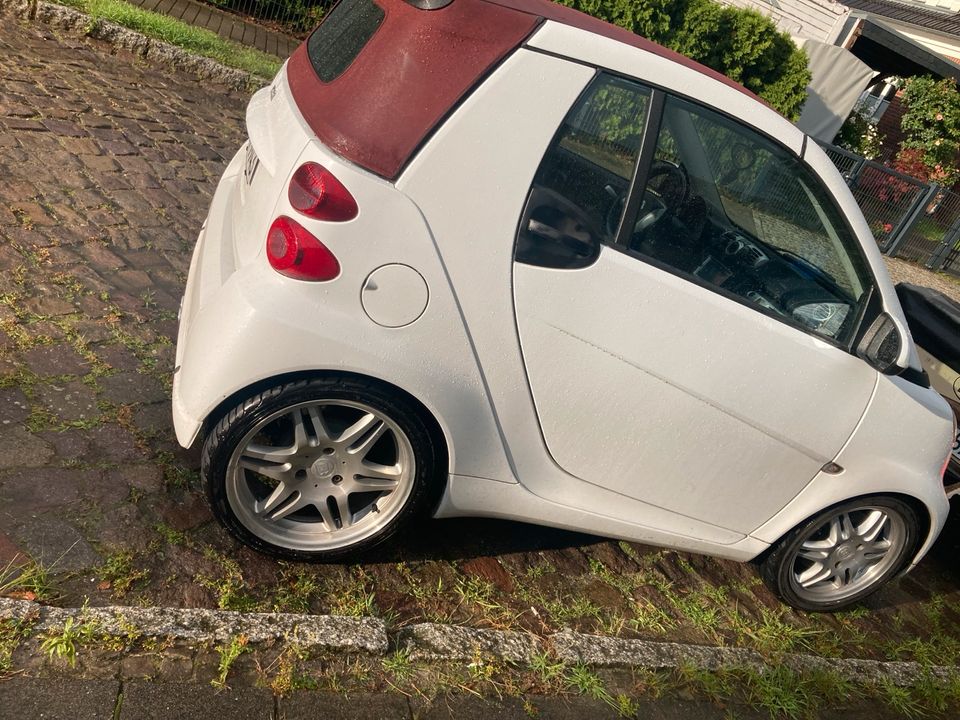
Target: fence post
<point>939,256</point>
<point>909,219</point>
<point>852,176</point>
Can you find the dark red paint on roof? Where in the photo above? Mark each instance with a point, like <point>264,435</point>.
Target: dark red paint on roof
<point>414,69</point>
<point>417,67</point>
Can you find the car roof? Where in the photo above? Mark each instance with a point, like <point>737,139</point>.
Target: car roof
<point>419,64</point>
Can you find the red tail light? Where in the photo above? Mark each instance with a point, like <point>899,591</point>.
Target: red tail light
<point>296,253</point>
<point>315,192</point>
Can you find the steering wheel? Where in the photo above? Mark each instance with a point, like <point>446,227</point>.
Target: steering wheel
<point>655,203</point>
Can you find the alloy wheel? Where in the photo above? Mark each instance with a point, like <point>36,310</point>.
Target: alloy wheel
<point>847,553</point>
<point>320,475</point>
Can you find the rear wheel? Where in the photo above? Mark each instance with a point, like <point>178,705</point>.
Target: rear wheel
<point>322,468</point>
<point>843,554</point>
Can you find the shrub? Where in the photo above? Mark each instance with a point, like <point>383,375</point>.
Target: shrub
<point>931,125</point>
<point>742,44</point>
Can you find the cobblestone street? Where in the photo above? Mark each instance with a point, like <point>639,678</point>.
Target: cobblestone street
<point>107,168</point>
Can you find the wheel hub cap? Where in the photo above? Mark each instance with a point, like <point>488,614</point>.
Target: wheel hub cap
<point>322,468</point>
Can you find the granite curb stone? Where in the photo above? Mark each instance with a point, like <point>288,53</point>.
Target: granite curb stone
<point>309,632</point>
<point>433,641</point>
<point>438,642</point>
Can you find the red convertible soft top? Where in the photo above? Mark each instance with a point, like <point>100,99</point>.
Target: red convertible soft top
<point>378,76</point>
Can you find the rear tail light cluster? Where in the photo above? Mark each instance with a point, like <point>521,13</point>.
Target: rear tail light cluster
<point>291,249</point>
<point>294,252</point>
<point>316,193</point>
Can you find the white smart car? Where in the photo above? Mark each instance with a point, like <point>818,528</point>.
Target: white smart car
<point>495,257</point>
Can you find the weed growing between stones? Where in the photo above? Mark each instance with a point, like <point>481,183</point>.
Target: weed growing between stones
<point>229,652</point>
<point>297,588</point>
<point>352,596</point>
<point>12,633</point>
<point>64,643</point>
<point>26,580</point>
<point>119,573</point>
<point>230,588</point>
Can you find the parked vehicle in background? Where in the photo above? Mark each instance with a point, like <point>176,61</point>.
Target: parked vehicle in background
<point>934,321</point>
<point>546,270</point>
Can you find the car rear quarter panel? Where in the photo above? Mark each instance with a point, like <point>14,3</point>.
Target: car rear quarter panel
<point>259,324</point>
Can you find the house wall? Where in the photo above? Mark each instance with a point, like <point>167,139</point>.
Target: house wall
<point>809,19</point>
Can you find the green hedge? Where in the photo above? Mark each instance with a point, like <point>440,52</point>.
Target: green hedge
<point>742,44</point>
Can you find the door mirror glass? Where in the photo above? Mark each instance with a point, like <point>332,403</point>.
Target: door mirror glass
<point>880,345</point>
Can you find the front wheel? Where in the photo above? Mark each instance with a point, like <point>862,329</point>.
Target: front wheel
<point>842,555</point>
<point>321,469</point>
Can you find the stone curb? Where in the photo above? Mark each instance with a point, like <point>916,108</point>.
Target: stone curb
<point>309,632</point>
<point>598,650</point>
<point>430,641</point>
<point>77,22</point>
<point>437,642</point>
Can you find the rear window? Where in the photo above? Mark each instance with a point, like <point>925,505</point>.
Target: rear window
<point>341,37</point>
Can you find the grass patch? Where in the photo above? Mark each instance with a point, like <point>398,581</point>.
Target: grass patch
<point>119,573</point>
<point>175,32</point>
<point>26,580</point>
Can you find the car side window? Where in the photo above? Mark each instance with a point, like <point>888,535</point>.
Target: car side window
<point>734,209</point>
<point>577,198</point>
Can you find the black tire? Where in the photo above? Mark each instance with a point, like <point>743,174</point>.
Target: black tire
<point>778,566</point>
<point>428,451</point>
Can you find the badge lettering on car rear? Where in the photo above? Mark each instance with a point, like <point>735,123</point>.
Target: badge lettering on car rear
<point>250,165</point>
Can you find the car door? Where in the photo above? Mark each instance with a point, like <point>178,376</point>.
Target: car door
<point>686,296</point>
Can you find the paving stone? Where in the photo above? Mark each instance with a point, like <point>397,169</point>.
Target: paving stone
<point>68,445</point>
<point>113,443</point>
<point>48,305</point>
<point>14,406</point>
<point>188,514</point>
<point>143,477</point>
<point>54,360</point>
<point>154,419</point>
<point>56,544</point>
<point>70,402</point>
<point>173,701</point>
<point>10,553</point>
<point>35,489</point>
<point>58,698</point>
<point>64,127</point>
<point>130,387</point>
<point>313,705</point>
<point>22,449</point>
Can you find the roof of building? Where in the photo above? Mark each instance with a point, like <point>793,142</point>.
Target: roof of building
<point>912,14</point>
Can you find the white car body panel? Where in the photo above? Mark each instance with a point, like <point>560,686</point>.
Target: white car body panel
<point>451,217</point>
<point>662,72</point>
<point>903,423</point>
<point>744,401</point>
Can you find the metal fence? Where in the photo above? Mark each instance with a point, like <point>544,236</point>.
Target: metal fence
<point>909,218</point>
<point>293,17</point>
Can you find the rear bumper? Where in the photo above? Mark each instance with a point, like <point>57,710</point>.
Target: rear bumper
<point>211,266</point>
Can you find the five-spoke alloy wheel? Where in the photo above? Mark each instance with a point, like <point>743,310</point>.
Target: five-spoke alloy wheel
<point>320,468</point>
<point>843,554</point>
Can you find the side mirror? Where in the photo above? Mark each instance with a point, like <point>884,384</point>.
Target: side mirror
<point>880,345</point>
<point>555,233</point>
